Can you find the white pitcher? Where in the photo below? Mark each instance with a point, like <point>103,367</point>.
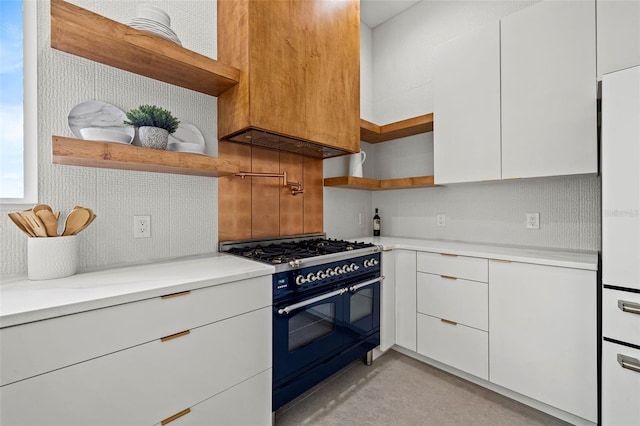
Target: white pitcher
<point>355,163</point>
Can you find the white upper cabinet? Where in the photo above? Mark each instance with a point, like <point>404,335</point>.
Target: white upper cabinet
<point>467,107</point>
<point>618,35</point>
<point>548,54</point>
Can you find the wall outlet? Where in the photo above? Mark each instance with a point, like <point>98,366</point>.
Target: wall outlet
<point>533,220</point>
<point>441,219</point>
<point>142,227</point>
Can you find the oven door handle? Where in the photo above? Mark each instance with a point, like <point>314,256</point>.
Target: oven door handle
<point>366,283</point>
<point>307,302</point>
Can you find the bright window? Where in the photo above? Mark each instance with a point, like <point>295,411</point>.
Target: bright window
<point>18,90</point>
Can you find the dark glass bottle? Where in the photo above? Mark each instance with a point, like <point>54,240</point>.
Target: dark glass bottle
<point>376,224</point>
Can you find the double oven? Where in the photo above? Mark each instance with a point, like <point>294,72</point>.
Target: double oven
<point>326,308</point>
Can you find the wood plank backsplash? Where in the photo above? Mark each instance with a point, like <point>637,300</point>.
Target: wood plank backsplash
<point>262,207</point>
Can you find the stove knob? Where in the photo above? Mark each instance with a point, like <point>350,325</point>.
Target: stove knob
<point>354,267</point>
<point>300,280</point>
<point>345,269</point>
<point>374,262</point>
<point>329,272</point>
<point>321,275</point>
<point>337,270</point>
<point>366,263</point>
<point>311,277</point>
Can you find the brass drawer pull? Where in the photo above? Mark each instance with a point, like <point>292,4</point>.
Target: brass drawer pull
<point>449,254</point>
<point>176,416</point>
<point>630,307</point>
<point>387,250</point>
<point>629,363</point>
<point>449,322</point>
<point>169,296</point>
<point>174,336</point>
<point>501,260</point>
<point>448,277</point>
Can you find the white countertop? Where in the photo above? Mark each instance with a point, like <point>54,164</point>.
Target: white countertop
<point>565,258</point>
<point>24,301</point>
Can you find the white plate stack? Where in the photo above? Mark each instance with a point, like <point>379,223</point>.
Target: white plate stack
<point>154,20</point>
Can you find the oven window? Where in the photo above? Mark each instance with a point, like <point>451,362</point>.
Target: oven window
<point>361,305</point>
<point>311,324</point>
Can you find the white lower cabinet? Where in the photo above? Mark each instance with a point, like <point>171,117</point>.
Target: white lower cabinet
<point>406,298</point>
<point>543,334</point>
<point>620,385</point>
<point>454,344</point>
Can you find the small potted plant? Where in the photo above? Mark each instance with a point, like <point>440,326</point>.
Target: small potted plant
<point>154,125</point>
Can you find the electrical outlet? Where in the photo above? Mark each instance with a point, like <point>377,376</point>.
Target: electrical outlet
<point>533,220</point>
<point>142,227</point>
<point>441,219</point>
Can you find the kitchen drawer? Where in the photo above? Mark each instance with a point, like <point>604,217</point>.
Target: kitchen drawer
<point>231,406</point>
<point>617,324</point>
<point>462,301</point>
<point>459,346</point>
<point>620,386</point>
<point>146,383</point>
<point>468,268</point>
<point>42,346</point>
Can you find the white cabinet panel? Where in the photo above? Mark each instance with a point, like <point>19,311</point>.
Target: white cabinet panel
<point>542,334</point>
<point>621,178</point>
<point>620,386</point>
<point>461,301</point>
<point>548,54</point>
<point>619,324</point>
<point>38,347</point>
<point>462,347</point>
<point>469,268</point>
<point>406,299</point>
<point>230,407</point>
<point>618,35</point>
<point>388,301</point>
<point>466,104</point>
<point>146,383</point>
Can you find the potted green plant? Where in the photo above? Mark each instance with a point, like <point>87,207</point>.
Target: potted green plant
<point>154,125</point>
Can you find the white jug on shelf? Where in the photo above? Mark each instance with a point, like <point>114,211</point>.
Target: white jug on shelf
<point>355,163</point>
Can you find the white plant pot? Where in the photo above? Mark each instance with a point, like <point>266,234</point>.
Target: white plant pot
<point>52,257</point>
<point>153,137</point>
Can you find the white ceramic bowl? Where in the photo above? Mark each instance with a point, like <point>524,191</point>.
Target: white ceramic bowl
<point>194,148</point>
<point>154,13</point>
<point>100,134</point>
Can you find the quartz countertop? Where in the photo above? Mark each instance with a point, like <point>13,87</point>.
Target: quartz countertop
<point>552,257</point>
<point>23,301</point>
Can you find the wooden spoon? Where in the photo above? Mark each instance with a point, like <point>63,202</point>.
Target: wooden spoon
<point>75,221</point>
<point>17,219</point>
<point>40,207</point>
<point>91,218</point>
<point>34,223</point>
<point>50,222</point>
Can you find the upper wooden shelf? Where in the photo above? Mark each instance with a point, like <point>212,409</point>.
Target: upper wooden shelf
<point>352,182</point>
<point>83,33</point>
<point>373,133</point>
<point>78,152</point>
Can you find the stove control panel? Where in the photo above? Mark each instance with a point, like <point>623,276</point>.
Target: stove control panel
<point>304,279</point>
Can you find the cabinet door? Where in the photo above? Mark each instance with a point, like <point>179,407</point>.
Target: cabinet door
<point>542,334</point>
<point>466,104</point>
<point>621,178</point>
<point>618,35</point>
<point>620,385</point>
<point>406,299</point>
<point>549,90</point>
<point>388,301</point>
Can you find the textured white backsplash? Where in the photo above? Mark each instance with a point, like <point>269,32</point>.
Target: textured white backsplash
<point>183,209</point>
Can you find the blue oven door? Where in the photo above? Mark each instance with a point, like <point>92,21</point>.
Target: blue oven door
<point>306,331</point>
<point>362,312</point>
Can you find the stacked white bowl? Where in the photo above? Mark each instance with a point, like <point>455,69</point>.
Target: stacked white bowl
<point>153,19</point>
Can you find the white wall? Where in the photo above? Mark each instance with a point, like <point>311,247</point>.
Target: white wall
<point>183,209</point>
<point>489,212</point>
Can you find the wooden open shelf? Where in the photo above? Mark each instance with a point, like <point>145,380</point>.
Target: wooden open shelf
<point>78,152</point>
<point>352,182</point>
<point>373,133</point>
<point>83,33</point>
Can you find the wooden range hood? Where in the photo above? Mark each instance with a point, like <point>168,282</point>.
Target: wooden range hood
<point>299,88</point>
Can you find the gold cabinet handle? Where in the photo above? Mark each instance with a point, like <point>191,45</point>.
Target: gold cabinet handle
<point>629,363</point>
<point>449,322</point>
<point>176,416</point>
<point>630,307</point>
<point>169,296</point>
<point>449,254</point>
<point>174,336</point>
<point>448,277</point>
<point>501,260</point>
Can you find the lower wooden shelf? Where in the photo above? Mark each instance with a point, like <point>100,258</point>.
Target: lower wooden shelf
<point>78,152</point>
<point>352,182</point>
<point>372,133</point>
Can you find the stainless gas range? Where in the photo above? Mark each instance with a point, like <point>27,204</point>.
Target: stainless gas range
<point>326,306</point>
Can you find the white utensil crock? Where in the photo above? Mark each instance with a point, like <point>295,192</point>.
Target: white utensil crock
<point>355,163</point>
<point>52,257</point>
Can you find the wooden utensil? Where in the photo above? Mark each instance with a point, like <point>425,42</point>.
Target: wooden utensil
<point>76,220</point>
<point>50,222</point>
<point>40,207</point>
<point>34,223</point>
<point>15,218</point>
<point>91,218</point>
